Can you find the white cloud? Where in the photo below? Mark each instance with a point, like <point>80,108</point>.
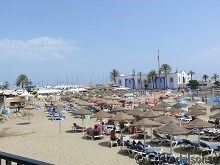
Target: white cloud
<point>41,48</point>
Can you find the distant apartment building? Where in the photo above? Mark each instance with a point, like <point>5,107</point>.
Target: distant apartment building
<point>174,81</point>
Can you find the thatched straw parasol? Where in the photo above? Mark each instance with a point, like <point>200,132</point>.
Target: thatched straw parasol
<point>196,112</point>
<point>119,109</point>
<point>166,119</point>
<point>150,114</point>
<point>102,114</point>
<point>159,108</point>
<point>144,106</point>
<point>82,112</point>
<point>172,129</point>
<point>146,123</point>
<point>122,116</point>
<point>164,104</point>
<point>198,107</point>
<point>114,102</point>
<point>135,112</point>
<point>179,105</point>
<point>199,124</point>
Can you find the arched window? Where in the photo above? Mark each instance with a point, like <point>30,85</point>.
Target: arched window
<point>139,81</point>
<point>119,82</point>
<point>184,80</point>
<point>129,81</point>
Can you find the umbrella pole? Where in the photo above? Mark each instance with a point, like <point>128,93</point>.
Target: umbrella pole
<point>171,143</point>
<point>82,123</point>
<point>29,117</point>
<point>144,138</point>
<point>101,126</point>
<point>60,125</point>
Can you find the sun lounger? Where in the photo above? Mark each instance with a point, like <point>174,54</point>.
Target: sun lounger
<point>160,139</point>
<point>142,153</point>
<point>75,127</point>
<point>207,134</point>
<point>177,141</point>
<point>210,149</point>
<point>89,134</point>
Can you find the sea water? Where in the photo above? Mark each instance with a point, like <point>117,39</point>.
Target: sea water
<point>210,97</point>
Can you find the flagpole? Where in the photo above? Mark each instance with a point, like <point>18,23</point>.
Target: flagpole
<point>158,60</point>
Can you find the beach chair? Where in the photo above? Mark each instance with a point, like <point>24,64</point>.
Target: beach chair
<point>75,127</point>
<point>128,146</point>
<point>210,149</point>
<point>89,134</point>
<point>142,154</point>
<point>191,144</point>
<point>210,135</point>
<point>177,141</point>
<point>160,139</point>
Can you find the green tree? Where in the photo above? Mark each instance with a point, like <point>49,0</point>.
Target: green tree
<point>113,74</point>
<point>193,84</point>
<point>22,80</point>
<point>205,77</point>
<point>145,84</point>
<point>133,75</point>
<point>140,77</point>
<point>165,69</point>
<point>6,85</point>
<point>151,76</point>
<point>215,77</point>
<point>217,84</point>
<point>191,73</point>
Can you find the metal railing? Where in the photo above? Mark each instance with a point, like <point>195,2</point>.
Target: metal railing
<point>8,159</point>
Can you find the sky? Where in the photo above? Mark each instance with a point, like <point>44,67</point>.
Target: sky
<point>81,41</point>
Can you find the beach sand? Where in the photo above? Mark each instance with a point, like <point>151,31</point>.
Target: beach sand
<point>41,140</point>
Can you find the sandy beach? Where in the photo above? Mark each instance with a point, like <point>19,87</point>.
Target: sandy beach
<point>41,140</point>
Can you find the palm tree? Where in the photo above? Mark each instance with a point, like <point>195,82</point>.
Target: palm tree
<point>191,73</point>
<point>133,74</point>
<point>215,77</point>
<point>113,74</point>
<point>21,80</point>
<point>205,77</point>
<point>140,76</point>
<point>165,69</point>
<point>145,84</point>
<point>6,85</point>
<point>151,76</point>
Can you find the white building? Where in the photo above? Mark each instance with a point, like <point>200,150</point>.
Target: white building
<point>174,81</point>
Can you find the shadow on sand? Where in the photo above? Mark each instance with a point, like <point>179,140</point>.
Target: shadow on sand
<point>73,131</point>
<point>104,144</point>
<point>25,123</point>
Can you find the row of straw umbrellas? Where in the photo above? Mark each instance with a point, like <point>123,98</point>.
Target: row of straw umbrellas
<point>171,126</point>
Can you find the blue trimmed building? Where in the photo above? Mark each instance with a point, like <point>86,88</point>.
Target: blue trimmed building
<point>174,81</point>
